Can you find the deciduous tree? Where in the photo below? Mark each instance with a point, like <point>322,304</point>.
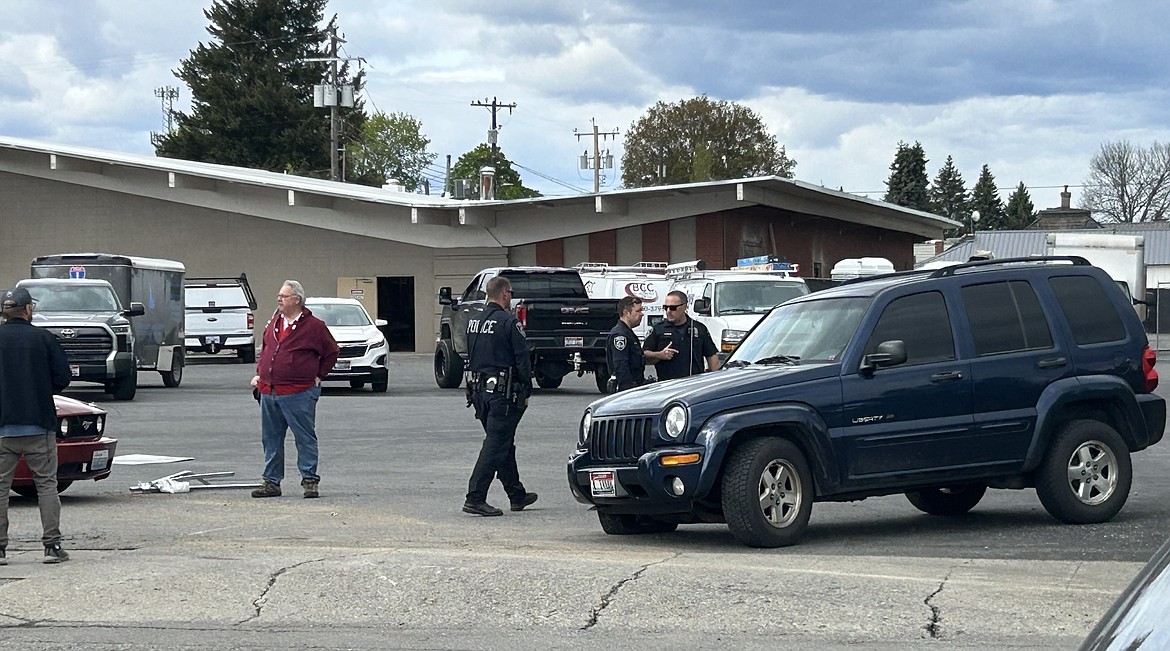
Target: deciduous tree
<point>392,146</point>
<point>700,139</point>
<point>508,184</point>
<point>1129,183</point>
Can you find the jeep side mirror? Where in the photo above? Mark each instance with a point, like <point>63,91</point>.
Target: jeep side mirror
<point>888,353</point>
<point>703,306</point>
<point>445,296</point>
<point>136,309</point>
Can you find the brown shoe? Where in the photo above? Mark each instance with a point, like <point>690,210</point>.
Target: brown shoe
<point>310,486</point>
<point>269,489</point>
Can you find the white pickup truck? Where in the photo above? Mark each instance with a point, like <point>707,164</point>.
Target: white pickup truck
<point>220,314</point>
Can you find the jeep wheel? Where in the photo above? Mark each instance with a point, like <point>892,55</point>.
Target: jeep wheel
<point>767,493</point>
<point>448,366</point>
<point>31,491</point>
<point>947,500</point>
<point>548,381</point>
<point>173,377</point>
<point>1086,474</point>
<point>633,525</point>
<point>125,388</point>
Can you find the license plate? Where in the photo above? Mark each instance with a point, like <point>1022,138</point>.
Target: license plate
<point>574,342</point>
<point>602,483</point>
<point>101,460</point>
<point>213,340</point>
<point>74,370</point>
<point>341,366</point>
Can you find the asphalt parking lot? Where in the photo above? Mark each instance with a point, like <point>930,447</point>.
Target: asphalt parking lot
<point>385,559</point>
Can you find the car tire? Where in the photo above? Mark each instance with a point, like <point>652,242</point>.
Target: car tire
<point>767,493</point>
<point>125,388</point>
<point>947,500</point>
<point>379,387</point>
<point>31,491</point>
<point>601,377</point>
<point>548,381</point>
<point>247,354</point>
<point>448,366</point>
<point>632,525</point>
<point>173,377</point>
<point>1086,473</point>
<point>356,384</point>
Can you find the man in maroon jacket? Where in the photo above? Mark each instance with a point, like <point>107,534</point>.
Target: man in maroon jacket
<point>298,352</point>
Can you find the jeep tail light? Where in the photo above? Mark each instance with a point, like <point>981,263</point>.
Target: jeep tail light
<point>1149,358</point>
<point>522,315</point>
<point>251,321</point>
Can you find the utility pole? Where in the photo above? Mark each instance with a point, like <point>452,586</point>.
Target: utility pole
<point>333,94</point>
<point>494,107</point>
<point>597,162</point>
<point>168,95</point>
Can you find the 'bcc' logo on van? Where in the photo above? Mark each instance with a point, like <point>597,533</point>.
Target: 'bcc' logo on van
<point>644,291</point>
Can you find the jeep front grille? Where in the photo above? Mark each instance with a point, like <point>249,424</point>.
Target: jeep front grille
<point>352,350</point>
<point>620,439</point>
<point>84,344</point>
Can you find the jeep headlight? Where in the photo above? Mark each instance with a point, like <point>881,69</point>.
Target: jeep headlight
<point>731,339</point>
<point>586,423</point>
<point>675,421</point>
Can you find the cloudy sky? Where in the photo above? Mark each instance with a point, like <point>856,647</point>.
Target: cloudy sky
<point>1031,88</point>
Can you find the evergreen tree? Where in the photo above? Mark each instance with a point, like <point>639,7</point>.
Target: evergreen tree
<point>508,185</point>
<point>700,139</point>
<point>1019,212</point>
<point>907,185</point>
<point>985,199</point>
<point>948,196</point>
<point>252,90</point>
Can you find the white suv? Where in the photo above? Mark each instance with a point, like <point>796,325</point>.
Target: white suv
<point>363,346</point>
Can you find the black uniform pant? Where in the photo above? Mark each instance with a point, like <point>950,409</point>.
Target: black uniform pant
<point>497,457</point>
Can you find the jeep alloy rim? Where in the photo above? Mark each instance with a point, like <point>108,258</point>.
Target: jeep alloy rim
<point>1092,472</point>
<point>779,493</point>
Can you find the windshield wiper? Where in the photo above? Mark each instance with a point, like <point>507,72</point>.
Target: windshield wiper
<point>735,363</point>
<point>779,359</point>
<point>739,310</point>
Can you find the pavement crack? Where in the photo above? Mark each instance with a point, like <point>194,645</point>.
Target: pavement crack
<point>21,622</point>
<point>259,601</point>
<point>607,598</point>
<point>934,626</point>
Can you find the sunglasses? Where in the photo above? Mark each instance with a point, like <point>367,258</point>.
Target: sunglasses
<point>672,308</point>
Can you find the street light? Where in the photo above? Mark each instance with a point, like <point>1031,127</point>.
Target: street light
<point>974,221</point>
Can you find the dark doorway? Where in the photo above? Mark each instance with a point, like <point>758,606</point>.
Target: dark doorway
<point>396,305</point>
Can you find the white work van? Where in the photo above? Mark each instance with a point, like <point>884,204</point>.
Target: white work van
<point>645,280</point>
<point>851,268</point>
<point>731,302</point>
<point>1123,257</point>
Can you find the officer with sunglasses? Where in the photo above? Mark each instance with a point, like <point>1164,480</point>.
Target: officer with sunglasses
<point>679,345</point>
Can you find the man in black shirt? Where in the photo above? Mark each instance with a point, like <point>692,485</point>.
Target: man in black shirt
<point>623,352</point>
<point>678,345</point>
<point>501,379</point>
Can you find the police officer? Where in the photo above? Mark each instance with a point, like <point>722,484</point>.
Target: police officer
<point>678,345</point>
<point>501,379</point>
<point>623,352</point>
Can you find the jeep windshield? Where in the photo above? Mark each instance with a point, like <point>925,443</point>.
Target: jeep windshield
<point>80,298</point>
<point>804,331</point>
<point>754,296</point>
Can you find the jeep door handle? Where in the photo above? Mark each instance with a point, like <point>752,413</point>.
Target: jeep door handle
<point>1055,362</point>
<point>946,377</point>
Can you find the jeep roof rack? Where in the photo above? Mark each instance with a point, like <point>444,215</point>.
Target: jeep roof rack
<point>1003,262</point>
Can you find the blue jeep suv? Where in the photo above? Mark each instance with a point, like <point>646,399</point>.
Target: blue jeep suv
<point>937,384</point>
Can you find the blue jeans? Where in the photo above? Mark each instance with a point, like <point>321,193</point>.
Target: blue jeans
<point>278,414</point>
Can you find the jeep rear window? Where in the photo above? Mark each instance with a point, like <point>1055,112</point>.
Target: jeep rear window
<point>1005,317</point>
<point>922,322</point>
<point>1091,315</point>
<point>546,285</point>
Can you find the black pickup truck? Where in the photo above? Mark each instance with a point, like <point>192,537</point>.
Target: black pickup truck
<point>565,328</point>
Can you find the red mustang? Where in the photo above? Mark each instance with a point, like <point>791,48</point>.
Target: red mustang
<point>82,451</point>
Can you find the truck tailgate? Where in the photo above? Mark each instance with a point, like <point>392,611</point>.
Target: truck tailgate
<point>566,317</point>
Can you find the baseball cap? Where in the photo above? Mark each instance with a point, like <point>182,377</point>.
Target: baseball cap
<point>18,297</point>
